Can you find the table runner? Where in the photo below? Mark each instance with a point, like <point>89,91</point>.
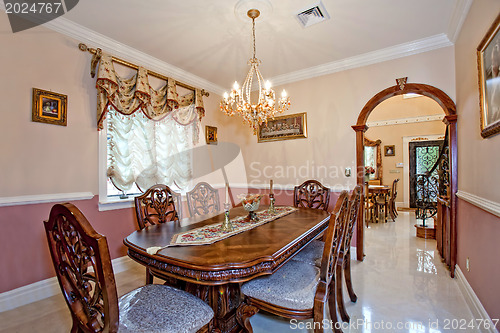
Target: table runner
<point>212,233</point>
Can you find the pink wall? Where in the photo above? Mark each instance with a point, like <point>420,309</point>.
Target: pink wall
<point>24,255</point>
<point>25,258</point>
<point>478,233</point>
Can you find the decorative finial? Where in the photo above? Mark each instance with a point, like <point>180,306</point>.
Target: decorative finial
<point>401,82</point>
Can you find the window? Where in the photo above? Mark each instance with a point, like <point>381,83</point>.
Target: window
<point>139,152</point>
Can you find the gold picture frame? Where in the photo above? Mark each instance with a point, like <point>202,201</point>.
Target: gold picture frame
<point>49,107</point>
<point>292,126</point>
<point>488,61</point>
<point>211,135</point>
<point>389,150</point>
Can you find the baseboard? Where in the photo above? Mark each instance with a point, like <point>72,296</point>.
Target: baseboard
<point>477,309</point>
<point>47,288</point>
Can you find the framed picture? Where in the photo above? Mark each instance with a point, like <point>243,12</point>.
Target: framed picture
<point>293,126</point>
<point>49,107</point>
<point>211,135</point>
<point>488,59</point>
<point>389,150</point>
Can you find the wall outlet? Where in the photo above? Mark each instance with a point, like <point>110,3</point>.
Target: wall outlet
<point>467,264</point>
<point>348,172</point>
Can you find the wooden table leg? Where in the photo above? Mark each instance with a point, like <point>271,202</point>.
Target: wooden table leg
<point>224,300</point>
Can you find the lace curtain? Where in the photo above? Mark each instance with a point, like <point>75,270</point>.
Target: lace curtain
<point>150,132</point>
<point>148,152</point>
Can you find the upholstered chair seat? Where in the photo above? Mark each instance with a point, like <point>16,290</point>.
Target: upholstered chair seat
<point>160,308</point>
<point>293,286</point>
<point>311,253</point>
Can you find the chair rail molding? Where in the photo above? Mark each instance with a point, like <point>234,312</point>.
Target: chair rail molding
<point>44,198</point>
<point>485,204</point>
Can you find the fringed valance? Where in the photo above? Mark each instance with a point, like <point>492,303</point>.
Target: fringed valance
<point>128,96</point>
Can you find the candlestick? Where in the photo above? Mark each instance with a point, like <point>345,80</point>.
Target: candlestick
<point>227,193</point>
<point>271,187</point>
<point>226,225</point>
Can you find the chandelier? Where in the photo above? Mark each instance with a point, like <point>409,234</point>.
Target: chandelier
<point>238,101</point>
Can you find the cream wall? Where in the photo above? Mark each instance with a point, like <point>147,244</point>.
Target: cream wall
<point>332,103</point>
<point>393,135</point>
<point>479,171</point>
<point>41,158</point>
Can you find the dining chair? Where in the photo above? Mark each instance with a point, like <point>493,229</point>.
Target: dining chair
<point>83,267</point>
<point>203,199</point>
<point>344,261</point>
<point>312,253</point>
<point>368,205</point>
<point>299,290</point>
<point>311,194</point>
<point>393,212</point>
<point>159,204</point>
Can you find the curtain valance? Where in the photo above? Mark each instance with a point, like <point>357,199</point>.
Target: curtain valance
<point>128,96</point>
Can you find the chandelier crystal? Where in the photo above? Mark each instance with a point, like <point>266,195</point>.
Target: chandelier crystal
<point>238,101</point>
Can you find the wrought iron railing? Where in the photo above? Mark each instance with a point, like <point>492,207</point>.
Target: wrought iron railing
<point>433,184</point>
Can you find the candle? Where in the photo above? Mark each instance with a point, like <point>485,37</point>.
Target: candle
<point>271,187</point>
<point>227,193</point>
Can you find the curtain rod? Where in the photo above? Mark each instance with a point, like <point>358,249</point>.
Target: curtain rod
<point>97,56</point>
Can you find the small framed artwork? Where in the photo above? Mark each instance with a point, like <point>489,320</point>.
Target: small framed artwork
<point>293,126</point>
<point>389,150</point>
<point>211,135</point>
<point>488,60</point>
<point>49,107</point>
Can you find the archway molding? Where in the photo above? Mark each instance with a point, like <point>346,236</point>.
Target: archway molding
<point>450,119</point>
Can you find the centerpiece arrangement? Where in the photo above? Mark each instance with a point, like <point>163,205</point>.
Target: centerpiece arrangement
<point>369,170</point>
<point>251,203</point>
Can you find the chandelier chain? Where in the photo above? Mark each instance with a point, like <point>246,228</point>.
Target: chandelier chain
<point>253,34</point>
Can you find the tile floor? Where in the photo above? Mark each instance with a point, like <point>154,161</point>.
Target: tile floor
<point>402,286</point>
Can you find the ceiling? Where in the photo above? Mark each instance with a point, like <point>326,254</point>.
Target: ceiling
<point>206,44</point>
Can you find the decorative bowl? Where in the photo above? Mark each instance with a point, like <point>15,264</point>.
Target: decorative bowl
<point>251,203</point>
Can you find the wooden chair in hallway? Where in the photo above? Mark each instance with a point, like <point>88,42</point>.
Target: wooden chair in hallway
<point>311,194</point>
<point>83,267</point>
<point>159,204</point>
<point>300,290</point>
<point>393,212</point>
<point>203,199</point>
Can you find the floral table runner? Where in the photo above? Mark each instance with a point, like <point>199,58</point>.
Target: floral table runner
<point>213,233</point>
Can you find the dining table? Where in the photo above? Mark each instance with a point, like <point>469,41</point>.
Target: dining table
<point>214,272</point>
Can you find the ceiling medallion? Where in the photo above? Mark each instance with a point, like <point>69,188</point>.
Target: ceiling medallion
<point>239,101</point>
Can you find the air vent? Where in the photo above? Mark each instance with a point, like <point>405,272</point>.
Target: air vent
<point>313,15</point>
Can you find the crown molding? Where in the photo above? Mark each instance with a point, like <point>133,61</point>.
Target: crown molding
<point>402,121</point>
<point>96,40</point>
<point>457,18</point>
<point>390,53</point>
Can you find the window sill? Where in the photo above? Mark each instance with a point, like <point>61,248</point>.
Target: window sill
<point>115,203</point>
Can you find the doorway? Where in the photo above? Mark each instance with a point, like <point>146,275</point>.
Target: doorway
<point>423,156</point>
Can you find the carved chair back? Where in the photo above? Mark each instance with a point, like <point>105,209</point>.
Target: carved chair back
<point>311,194</point>
<point>333,240</point>
<point>394,191</point>
<point>83,267</point>
<point>355,204</point>
<point>159,204</point>
<point>203,199</point>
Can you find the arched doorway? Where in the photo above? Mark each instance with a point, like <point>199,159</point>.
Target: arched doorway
<point>450,119</point>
